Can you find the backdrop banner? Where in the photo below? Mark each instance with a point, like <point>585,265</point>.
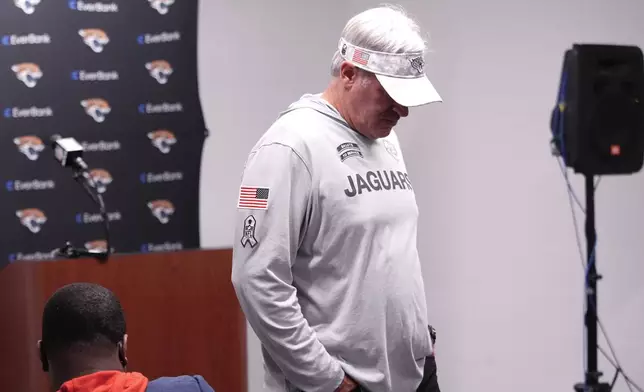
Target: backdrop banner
<point>121,78</point>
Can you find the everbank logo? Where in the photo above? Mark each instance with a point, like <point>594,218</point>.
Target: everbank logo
<point>164,247</point>
<point>101,146</point>
<point>28,73</point>
<point>95,6</point>
<point>82,75</point>
<point>26,39</point>
<point>35,256</point>
<point>158,38</point>
<point>160,108</point>
<point>29,185</point>
<point>166,176</point>
<point>30,112</point>
<point>29,145</point>
<point>89,218</point>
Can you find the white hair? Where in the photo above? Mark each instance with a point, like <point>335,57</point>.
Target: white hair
<point>387,28</point>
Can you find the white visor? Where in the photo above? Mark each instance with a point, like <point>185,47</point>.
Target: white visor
<point>401,74</point>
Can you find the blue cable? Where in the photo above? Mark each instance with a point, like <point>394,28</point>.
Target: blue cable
<point>591,261</point>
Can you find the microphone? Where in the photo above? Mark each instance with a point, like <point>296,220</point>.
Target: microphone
<point>68,152</point>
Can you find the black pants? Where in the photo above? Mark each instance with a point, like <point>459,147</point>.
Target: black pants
<point>430,376</point>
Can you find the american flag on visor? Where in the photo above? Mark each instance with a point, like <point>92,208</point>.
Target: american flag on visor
<point>360,57</point>
<point>253,197</point>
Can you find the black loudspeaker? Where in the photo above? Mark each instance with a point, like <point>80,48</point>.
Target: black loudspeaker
<point>598,123</point>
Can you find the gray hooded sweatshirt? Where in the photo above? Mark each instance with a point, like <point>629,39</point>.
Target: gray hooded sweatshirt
<point>325,263</point>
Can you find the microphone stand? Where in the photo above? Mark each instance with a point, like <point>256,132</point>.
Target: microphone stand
<point>82,176</point>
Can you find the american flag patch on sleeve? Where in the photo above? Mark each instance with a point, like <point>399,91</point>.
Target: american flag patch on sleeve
<point>253,197</point>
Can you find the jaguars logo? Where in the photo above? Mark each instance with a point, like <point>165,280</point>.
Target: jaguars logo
<point>163,140</point>
<point>32,218</point>
<point>96,108</point>
<point>101,178</point>
<point>96,245</point>
<point>159,70</point>
<point>31,146</point>
<point>27,6</point>
<point>28,73</point>
<point>96,39</point>
<point>162,210</point>
<point>162,6</point>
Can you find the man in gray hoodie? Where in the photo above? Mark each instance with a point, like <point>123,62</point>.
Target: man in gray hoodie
<point>325,263</point>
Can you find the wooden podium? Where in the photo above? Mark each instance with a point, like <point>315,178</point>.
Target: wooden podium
<point>181,311</point>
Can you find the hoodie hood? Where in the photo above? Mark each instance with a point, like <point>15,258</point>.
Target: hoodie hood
<point>317,103</point>
<point>107,381</point>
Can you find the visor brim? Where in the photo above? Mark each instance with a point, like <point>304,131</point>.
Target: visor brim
<point>410,92</point>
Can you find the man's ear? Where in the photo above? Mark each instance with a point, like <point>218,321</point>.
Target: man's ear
<point>122,347</point>
<point>43,356</point>
<point>348,73</point>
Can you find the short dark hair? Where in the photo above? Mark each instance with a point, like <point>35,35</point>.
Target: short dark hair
<point>82,313</point>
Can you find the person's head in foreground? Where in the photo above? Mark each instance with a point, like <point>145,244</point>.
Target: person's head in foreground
<point>83,332</point>
<point>378,71</point>
<point>84,343</point>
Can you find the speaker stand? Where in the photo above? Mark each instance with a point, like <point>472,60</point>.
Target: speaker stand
<point>593,375</point>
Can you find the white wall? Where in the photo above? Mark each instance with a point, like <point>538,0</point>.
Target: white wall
<point>500,262</point>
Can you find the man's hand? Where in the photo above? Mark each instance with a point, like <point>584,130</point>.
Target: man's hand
<point>347,385</point>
